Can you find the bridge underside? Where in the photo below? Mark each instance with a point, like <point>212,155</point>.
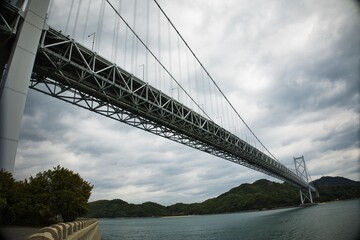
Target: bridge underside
<point>67,70</point>
<point>9,21</point>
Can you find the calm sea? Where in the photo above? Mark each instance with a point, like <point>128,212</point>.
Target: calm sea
<point>336,220</point>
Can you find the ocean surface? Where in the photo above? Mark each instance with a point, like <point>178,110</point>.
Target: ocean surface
<point>336,220</point>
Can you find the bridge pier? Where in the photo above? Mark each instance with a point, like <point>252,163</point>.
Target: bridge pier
<point>16,79</point>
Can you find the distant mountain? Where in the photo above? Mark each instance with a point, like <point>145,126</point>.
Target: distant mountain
<point>335,181</point>
<point>119,208</point>
<point>336,188</point>
<point>262,194</point>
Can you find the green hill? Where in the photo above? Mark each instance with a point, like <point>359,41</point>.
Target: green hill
<point>335,181</point>
<point>262,194</point>
<point>120,208</point>
<point>336,188</point>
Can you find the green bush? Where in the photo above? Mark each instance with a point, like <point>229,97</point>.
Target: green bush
<point>45,198</point>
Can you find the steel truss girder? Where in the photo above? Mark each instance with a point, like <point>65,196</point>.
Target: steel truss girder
<point>67,70</point>
<point>9,19</point>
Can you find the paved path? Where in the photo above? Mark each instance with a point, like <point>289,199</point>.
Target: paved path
<point>16,232</point>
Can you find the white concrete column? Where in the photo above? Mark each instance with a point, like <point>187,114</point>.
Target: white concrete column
<point>17,80</point>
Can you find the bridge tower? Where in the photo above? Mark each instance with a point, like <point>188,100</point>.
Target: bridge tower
<point>302,172</point>
<point>15,80</point>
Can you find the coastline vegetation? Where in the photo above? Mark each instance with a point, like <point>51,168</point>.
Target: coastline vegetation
<point>260,195</point>
<point>62,195</point>
<point>51,196</point>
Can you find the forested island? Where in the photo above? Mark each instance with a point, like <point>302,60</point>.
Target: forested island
<point>59,194</point>
<point>260,195</point>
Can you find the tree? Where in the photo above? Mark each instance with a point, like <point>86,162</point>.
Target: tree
<point>41,199</point>
<point>7,183</point>
<point>60,192</point>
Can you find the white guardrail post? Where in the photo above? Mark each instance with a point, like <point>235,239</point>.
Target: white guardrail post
<point>84,229</point>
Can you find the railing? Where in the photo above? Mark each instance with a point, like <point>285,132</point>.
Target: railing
<point>84,229</point>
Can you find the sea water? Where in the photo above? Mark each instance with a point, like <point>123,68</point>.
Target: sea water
<point>335,220</point>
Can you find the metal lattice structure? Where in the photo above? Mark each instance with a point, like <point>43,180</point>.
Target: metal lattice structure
<point>69,71</point>
<point>10,17</point>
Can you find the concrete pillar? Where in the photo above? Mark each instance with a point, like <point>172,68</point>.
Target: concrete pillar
<point>14,89</point>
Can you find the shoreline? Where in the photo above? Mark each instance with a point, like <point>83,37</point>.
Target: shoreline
<point>244,211</point>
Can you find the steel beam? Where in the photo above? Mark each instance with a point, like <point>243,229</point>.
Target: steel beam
<point>69,71</point>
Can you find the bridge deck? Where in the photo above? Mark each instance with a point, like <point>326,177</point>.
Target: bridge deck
<point>69,71</point>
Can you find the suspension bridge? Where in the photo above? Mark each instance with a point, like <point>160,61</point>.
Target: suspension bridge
<point>127,61</point>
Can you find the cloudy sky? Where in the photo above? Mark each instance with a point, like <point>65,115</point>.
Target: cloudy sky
<point>291,69</point>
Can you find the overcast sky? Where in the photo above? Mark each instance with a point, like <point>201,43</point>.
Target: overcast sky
<point>291,69</point>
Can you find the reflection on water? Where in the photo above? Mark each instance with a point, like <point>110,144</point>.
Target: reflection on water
<point>336,220</point>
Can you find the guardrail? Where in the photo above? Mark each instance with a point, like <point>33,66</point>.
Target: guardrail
<point>83,229</point>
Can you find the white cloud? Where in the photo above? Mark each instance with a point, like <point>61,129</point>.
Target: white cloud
<point>290,69</point>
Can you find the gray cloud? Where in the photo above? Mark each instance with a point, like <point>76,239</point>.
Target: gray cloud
<point>290,69</point>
